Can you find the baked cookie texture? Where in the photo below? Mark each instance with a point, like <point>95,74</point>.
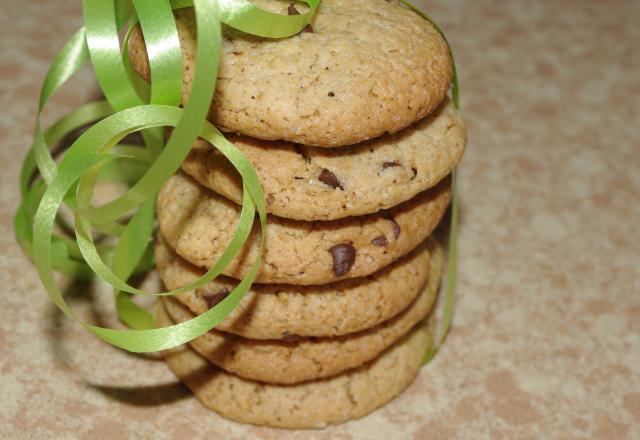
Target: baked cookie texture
<point>198,224</point>
<point>369,67</point>
<point>280,311</point>
<point>292,361</point>
<point>312,404</point>
<point>306,183</point>
<point>335,325</point>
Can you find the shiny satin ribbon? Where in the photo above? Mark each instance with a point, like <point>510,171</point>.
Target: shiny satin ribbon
<point>97,153</point>
<point>452,276</point>
<point>452,254</point>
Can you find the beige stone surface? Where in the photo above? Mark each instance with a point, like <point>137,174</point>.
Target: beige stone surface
<point>546,341</point>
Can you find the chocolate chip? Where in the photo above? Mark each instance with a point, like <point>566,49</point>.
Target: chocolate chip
<point>380,241</point>
<point>213,299</point>
<point>328,178</point>
<point>291,10</point>
<point>331,94</point>
<point>344,255</point>
<point>302,153</point>
<point>396,227</point>
<point>298,178</point>
<point>390,164</point>
<point>290,337</point>
<point>415,173</point>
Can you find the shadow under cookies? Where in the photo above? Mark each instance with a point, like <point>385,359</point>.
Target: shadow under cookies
<point>81,296</point>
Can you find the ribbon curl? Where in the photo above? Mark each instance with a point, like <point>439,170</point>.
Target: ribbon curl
<point>97,154</point>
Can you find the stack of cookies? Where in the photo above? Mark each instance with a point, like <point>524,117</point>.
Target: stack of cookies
<point>353,140</point>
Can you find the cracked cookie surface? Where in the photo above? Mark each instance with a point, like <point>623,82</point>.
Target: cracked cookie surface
<point>284,311</point>
<point>198,224</point>
<point>370,67</point>
<point>312,404</point>
<point>306,183</point>
<point>301,359</point>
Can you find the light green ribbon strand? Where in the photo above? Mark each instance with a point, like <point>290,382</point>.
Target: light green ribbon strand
<point>96,156</point>
<point>246,17</point>
<point>452,255</point>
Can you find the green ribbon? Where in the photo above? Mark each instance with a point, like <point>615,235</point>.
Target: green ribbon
<point>452,255</point>
<point>98,155</point>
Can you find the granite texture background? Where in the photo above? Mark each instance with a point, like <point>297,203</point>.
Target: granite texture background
<point>546,340</point>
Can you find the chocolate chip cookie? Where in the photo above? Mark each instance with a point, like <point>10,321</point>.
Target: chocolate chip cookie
<point>306,183</point>
<point>299,359</point>
<point>198,224</point>
<point>312,404</point>
<point>281,311</point>
<point>369,67</point>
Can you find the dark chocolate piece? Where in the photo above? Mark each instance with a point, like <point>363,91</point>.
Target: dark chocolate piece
<point>396,227</point>
<point>213,299</point>
<point>328,178</point>
<point>308,28</point>
<point>291,10</point>
<point>290,337</point>
<point>344,255</point>
<point>301,152</point>
<point>380,241</point>
<point>390,164</point>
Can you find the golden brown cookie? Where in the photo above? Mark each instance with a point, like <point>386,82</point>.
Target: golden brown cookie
<point>369,67</point>
<point>306,183</point>
<point>313,404</point>
<point>198,224</point>
<point>281,311</point>
<point>293,361</point>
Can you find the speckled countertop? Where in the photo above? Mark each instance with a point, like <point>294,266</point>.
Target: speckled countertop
<point>546,340</point>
